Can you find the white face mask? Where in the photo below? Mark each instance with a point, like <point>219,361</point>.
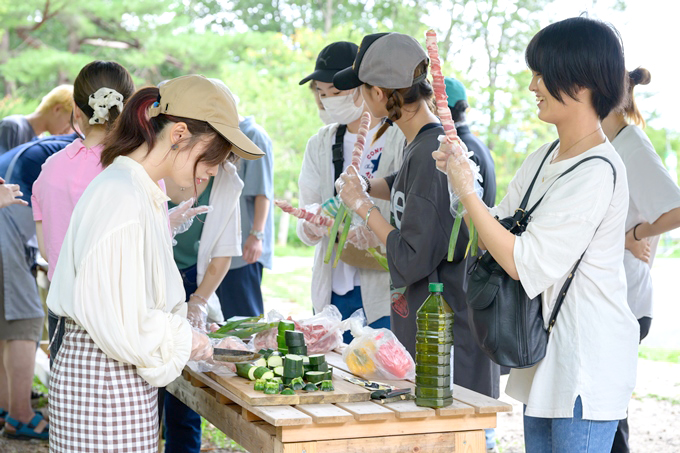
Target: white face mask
<point>342,109</point>
<point>325,117</point>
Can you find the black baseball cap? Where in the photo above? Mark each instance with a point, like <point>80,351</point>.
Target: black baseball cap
<point>333,58</point>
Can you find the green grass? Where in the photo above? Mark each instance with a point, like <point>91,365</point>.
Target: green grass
<point>40,387</point>
<point>659,354</point>
<point>292,250</point>
<point>668,399</point>
<point>291,286</point>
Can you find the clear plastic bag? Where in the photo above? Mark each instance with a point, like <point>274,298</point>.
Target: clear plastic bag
<point>267,338</point>
<point>323,331</point>
<point>216,366</point>
<point>378,354</point>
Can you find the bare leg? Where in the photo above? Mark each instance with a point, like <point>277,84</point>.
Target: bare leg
<point>4,389</point>
<point>19,361</point>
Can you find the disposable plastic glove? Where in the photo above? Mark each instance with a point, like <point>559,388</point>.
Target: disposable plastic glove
<point>352,189</point>
<point>457,167</point>
<point>201,348</point>
<point>182,216</point>
<point>360,237</point>
<point>197,313</point>
<point>312,231</point>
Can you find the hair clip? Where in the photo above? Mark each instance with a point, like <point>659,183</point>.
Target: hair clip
<point>155,104</point>
<point>388,121</point>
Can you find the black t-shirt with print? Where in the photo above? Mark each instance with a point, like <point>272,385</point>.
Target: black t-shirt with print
<point>416,252</point>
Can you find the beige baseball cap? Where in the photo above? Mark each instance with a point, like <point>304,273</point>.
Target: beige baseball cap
<point>199,98</point>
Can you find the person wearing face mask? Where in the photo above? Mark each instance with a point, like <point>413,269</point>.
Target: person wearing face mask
<point>360,284</point>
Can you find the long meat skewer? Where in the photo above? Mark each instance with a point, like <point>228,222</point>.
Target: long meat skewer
<point>300,213</point>
<point>441,99</point>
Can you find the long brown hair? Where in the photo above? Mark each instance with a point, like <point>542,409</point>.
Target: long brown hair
<point>102,74</point>
<point>629,108</point>
<point>135,128</point>
<point>396,99</point>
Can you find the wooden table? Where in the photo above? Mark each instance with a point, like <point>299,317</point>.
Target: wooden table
<point>351,423</point>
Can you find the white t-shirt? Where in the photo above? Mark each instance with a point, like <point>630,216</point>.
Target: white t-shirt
<point>592,350</point>
<point>346,277</point>
<point>652,194</point>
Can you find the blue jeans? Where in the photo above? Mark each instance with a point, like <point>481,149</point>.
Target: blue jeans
<point>182,425</point>
<point>240,292</point>
<point>351,302</point>
<point>568,435</point>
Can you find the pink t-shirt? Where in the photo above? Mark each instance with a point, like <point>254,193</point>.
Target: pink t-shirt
<point>64,177</point>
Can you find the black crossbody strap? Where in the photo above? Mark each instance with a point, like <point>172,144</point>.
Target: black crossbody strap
<point>338,157</point>
<point>563,292</point>
<point>525,200</point>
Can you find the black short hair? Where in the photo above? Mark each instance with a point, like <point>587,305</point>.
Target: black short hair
<point>458,110</point>
<point>580,52</point>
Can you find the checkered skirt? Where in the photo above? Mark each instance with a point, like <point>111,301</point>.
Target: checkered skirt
<point>98,404</point>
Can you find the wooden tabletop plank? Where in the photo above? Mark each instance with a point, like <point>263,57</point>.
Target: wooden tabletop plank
<point>483,404</point>
<point>283,415</point>
<point>289,418</point>
<point>325,413</point>
<point>367,411</point>
<point>408,409</point>
<point>456,408</point>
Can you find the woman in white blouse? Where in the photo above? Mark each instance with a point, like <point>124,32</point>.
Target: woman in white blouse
<point>116,285</point>
<point>654,209</point>
<point>575,396</point>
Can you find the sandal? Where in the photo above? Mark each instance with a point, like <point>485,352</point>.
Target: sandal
<point>3,415</point>
<point>26,431</point>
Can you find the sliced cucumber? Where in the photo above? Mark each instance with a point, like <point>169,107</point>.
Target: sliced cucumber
<point>287,392</point>
<point>292,366</point>
<point>433,392</point>
<point>297,383</point>
<point>315,376</point>
<point>294,338</point>
<point>251,372</point>
<point>286,325</point>
<point>310,388</point>
<point>317,359</point>
<point>243,368</point>
<point>278,371</point>
<point>260,362</point>
<point>263,373</point>
<point>298,350</point>
<point>271,388</point>
<point>275,361</point>
<point>259,385</point>
<point>327,386</point>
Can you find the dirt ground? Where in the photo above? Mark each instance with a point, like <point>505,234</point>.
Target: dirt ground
<point>654,416</point>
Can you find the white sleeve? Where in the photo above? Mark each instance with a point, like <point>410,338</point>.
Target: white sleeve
<point>308,184</point>
<point>651,188</point>
<point>111,303</point>
<point>562,226</point>
<point>229,242</point>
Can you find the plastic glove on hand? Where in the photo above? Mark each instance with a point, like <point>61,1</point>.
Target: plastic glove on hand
<point>456,165</point>
<point>201,348</point>
<point>182,216</point>
<point>352,189</point>
<point>314,232</point>
<point>361,238</point>
<point>197,313</point>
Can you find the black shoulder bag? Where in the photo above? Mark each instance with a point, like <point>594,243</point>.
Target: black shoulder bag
<point>505,322</point>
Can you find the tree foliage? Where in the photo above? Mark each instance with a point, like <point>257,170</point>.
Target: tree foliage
<point>262,49</point>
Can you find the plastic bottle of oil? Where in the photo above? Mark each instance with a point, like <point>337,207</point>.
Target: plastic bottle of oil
<point>434,342</point>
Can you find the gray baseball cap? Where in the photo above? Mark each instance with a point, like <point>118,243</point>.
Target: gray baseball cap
<point>386,60</point>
